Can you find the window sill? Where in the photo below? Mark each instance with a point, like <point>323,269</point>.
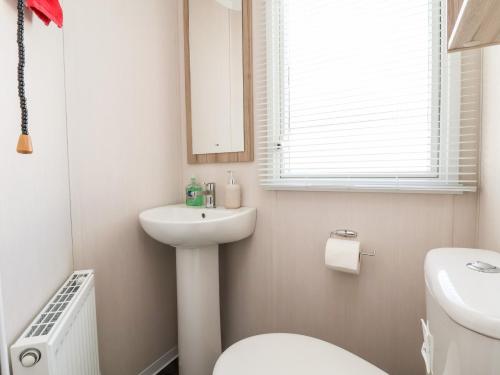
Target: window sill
<point>372,187</point>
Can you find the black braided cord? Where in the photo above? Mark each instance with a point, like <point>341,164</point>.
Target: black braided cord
<point>20,67</point>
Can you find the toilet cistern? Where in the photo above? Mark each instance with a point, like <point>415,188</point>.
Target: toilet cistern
<point>461,331</point>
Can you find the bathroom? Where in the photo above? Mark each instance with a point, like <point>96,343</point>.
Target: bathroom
<point>117,107</point>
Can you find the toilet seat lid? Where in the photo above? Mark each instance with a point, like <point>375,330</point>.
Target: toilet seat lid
<point>283,353</point>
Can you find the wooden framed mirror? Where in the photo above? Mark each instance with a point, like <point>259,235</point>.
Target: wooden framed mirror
<point>218,80</point>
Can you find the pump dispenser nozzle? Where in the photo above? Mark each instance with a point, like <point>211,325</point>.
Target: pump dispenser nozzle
<point>232,180</point>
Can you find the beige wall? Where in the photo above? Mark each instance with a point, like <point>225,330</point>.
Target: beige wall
<point>35,226</point>
<point>489,218</point>
<point>125,155</point>
<point>124,139</point>
<point>277,281</point>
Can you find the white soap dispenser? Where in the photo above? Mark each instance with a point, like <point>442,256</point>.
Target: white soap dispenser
<point>233,193</point>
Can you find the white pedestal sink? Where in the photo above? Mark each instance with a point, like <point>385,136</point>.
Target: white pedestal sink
<point>196,234</point>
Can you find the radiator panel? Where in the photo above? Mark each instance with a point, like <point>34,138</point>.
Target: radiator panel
<point>70,345</point>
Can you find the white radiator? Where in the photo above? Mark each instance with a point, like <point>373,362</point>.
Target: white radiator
<point>62,340</point>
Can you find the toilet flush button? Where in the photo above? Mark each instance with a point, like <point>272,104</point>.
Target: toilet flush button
<point>483,267</point>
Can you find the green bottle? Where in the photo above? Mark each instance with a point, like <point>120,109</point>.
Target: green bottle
<point>194,194</point>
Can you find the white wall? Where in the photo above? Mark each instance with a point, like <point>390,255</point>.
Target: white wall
<point>125,150</point>
<point>489,208</point>
<point>35,226</point>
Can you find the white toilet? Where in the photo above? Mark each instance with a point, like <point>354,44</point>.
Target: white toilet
<point>283,353</point>
<point>462,334</point>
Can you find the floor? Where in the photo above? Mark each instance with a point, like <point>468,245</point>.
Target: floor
<point>171,369</point>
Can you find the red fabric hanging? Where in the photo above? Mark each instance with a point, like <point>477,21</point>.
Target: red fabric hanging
<point>47,10</point>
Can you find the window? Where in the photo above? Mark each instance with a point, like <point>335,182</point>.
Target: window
<point>362,95</point>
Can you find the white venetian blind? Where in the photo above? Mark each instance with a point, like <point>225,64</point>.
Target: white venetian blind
<point>361,94</point>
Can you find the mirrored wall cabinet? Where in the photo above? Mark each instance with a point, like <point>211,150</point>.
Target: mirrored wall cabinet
<point>218,66</point>
<point>473,24</point>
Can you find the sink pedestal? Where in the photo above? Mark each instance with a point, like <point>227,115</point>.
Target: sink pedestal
<point>198,309</point>
<point>195,233</point>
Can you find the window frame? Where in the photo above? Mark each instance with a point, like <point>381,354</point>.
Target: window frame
<point>437,180</point>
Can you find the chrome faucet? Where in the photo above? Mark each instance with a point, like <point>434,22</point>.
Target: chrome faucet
<point>210,195</point>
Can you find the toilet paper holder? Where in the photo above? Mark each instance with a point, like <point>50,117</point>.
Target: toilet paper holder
<point>350,234</point>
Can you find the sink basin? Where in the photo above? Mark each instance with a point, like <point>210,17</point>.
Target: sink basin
<point>196,233</point>
<point>182,226</point>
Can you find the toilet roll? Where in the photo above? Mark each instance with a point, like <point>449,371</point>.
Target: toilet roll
<point>342,255</point>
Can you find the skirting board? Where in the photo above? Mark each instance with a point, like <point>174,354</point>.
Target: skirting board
<point>161,362</point>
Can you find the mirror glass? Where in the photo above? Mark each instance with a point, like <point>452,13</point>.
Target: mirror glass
<point>216,76</point>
